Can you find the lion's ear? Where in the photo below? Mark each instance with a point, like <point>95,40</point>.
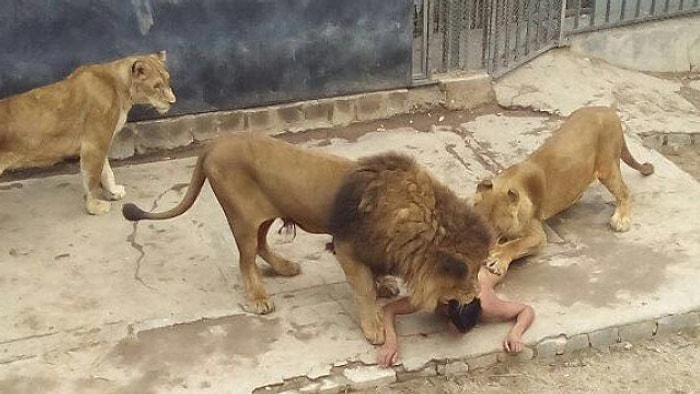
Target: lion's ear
<point>484,186</point>
<point>452,267</point>
<point>138,70</point>
<point>513,196</point>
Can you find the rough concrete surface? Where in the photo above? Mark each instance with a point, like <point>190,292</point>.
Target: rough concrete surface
<point>100,305</point>
<point>560,81</point>
<point>97,304</point>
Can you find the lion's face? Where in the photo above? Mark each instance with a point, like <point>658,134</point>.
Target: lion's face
<point>503,208</point>
<point>151,82</point>
<point>458,277</point>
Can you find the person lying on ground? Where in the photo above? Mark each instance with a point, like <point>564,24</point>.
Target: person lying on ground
<point>487,308</point>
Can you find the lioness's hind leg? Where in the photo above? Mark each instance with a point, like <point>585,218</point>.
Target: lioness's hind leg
<point>612,179</point>
<point>281,265</point>
<point>361,279</point>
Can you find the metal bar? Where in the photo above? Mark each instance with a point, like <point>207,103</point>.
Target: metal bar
<point>486,36</point>
<point>506,32</point>
<point>695,3</point>
<point>577,15</point>
<point>562,20</point>
<point>666,6</point>
<point>607,11</point>
<point>553,19</point>
<point>637,8</point>
<point>545,20</point>
<point>592,16</point>
<point>418,73</point>
<point>623,5</point>
<point>442,17</point>
<point>652,11</point>
<point>453,35</point>
<point>538,24</point>
<point>426,38</point>
<point>494,47</point>
<point>528,21</point>
<point>629,22</point>
<point>517,28</point>
<point>468,31</point>
<point>680,5</point>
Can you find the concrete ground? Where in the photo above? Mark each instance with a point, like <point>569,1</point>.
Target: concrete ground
<point>97,304</point>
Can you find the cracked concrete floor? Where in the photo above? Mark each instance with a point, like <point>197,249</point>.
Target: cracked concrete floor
<point>97,304</point>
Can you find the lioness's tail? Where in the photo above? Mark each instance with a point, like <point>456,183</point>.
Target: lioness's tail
<point>626,156</point>
<point>133,213</point>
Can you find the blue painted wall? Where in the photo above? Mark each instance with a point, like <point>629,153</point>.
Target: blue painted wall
<point>222,54</point>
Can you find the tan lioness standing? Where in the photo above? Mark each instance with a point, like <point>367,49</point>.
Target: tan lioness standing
<point>588,146</point>
<point>79,116</point>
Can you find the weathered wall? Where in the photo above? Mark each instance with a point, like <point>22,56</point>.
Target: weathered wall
<point>666,46</point>
<point>223,54</point>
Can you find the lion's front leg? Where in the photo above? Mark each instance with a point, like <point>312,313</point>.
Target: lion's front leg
<point>112,190</point>
<point>503,254</point>
<point>361,279</point>
<point>92,160</point>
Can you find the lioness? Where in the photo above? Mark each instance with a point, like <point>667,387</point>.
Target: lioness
<point>588,146</point>
<point>258,179</point>
<point>79,116</point>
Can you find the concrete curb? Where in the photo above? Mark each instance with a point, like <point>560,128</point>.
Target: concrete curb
<point>163,134</point>
<point>672,141</point>
<point>357,376</point>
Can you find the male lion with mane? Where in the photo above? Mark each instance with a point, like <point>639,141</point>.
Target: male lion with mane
<point>391,217</point>
<point>588,146</point>
<point>407,223</point>
<point>79,116</point>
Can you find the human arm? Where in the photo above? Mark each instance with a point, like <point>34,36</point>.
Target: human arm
<point>388,353</point>
<point>496,309</point>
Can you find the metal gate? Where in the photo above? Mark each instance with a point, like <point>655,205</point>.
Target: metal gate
<point>453,36</point>
<point>519,30</point>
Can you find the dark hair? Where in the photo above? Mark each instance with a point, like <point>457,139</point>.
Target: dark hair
<point>464,316</point>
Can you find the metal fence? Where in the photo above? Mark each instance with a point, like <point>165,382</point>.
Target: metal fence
<point>586,15</point>
<point>498,35</point>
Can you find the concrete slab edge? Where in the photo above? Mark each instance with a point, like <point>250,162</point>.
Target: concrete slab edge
<point>179,131</point>
<point>358,376</point>
<point>659,141</point>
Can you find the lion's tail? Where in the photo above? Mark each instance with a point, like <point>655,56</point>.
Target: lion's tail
<point>133,213</point>
<point>645,169</point>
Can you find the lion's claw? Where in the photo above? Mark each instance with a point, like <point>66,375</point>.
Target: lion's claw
<point>264,306</point>
<point>495,267</point>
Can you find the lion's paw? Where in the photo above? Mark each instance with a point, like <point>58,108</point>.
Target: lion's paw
<point>373,328</point>
<point>619,224</point>
<point>263,306</point>
<point>496,266</point>
<point>98,207</point>
<point>116,193</point>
